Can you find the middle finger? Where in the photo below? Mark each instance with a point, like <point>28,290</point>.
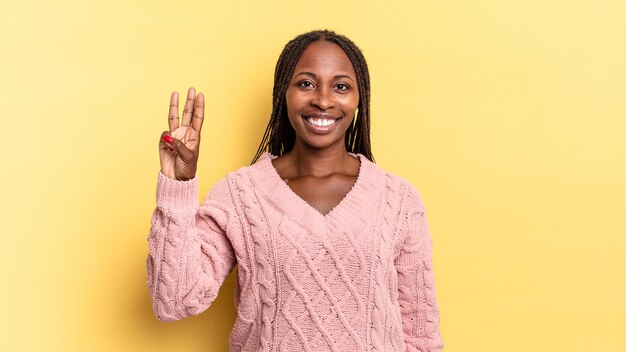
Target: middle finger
<point>188,111</point>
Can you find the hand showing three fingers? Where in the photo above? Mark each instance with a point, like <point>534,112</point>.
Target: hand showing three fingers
<point>179,147</point>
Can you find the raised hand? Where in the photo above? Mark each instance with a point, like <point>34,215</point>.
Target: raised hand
<point>179,147</point>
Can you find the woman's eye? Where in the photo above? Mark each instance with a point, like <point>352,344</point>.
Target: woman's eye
<point>305,84</point>
<point>342,86</point>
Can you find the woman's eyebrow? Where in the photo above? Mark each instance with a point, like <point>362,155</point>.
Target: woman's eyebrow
<point>307,73</point>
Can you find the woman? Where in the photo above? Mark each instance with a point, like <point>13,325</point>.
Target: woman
<point>333,252</point>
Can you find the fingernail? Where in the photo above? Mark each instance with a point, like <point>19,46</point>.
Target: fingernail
<point>168,139</point>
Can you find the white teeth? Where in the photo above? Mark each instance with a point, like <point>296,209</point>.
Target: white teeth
<point>321,122</point>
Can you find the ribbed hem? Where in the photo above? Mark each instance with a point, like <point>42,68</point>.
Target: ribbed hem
<point>174,194</point>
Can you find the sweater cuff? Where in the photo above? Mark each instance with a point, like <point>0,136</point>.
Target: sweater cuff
<point>175,194</point>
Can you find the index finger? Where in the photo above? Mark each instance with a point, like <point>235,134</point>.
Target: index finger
<point>198,113</point>
<point>172,119</point>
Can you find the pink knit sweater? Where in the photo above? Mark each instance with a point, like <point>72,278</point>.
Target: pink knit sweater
<point>359,278</point>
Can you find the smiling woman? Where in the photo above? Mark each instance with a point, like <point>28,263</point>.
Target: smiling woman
<point>338,259</point>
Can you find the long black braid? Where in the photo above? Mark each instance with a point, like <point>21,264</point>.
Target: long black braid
<point>280,137</point>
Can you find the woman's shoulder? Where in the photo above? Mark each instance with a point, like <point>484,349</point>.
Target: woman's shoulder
<point>395,180</point>
<point>403,186</point>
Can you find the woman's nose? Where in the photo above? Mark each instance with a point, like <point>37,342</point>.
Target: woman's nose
<point>323,99</point>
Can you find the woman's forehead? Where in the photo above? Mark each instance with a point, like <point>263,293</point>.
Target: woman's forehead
<point>324,57</point>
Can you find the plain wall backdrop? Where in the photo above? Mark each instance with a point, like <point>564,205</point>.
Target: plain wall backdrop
<point>508,116</point>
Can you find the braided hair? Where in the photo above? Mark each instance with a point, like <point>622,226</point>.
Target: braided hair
<point>280,137</point>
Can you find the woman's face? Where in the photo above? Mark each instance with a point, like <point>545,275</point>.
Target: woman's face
<point>322,96</point>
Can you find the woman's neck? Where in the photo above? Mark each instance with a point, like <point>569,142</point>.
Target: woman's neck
<point>317,162</point>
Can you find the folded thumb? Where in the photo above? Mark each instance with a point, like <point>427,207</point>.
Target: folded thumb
<point>181,150</point>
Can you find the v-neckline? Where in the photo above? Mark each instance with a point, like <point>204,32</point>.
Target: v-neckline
<point>358,207</point>
<point>306,204</point>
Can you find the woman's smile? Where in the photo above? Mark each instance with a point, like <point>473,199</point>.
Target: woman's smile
<point>321,123</point>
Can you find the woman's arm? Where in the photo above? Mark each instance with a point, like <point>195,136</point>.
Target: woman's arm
<point>416,281</point>
<point>189,252</point>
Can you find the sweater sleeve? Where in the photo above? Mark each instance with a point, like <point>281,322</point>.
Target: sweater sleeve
<point>190,254</point>
<point>416,281</point>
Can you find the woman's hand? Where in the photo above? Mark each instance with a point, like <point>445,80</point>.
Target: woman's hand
<point>179,147</point>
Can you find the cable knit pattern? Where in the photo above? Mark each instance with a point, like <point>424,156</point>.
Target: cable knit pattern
<point>359,278</point>
<point>416,282</point>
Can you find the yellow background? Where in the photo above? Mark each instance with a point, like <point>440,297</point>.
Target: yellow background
<point>509,116</point>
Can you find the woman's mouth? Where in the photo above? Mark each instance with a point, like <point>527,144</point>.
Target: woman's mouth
<point>320,121</point>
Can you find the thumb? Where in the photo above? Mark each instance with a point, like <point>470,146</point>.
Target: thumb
<point>184,153</point>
